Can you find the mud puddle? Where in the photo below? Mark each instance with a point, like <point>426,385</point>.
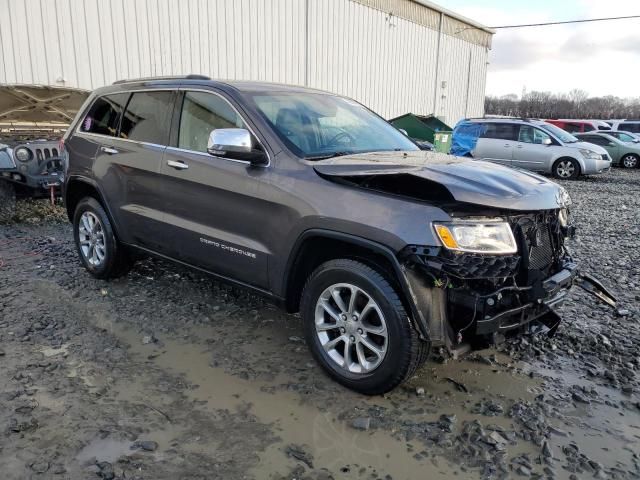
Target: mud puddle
<point>327,442</point>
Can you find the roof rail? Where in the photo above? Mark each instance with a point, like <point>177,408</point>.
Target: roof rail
<point>191,76</point>
<point>502,117</point>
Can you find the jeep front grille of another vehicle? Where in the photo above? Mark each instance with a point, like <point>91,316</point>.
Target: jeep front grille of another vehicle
<point>45,153</point>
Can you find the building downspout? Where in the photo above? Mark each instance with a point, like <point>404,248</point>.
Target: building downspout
<point>306,43</point>
<point>466,101</point>
<point>435,87</point>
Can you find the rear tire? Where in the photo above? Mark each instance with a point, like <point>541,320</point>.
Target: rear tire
<point>7,201</point>
<point>369,350</point>
<point>100,251</point>
<point>566,169</point>
<point>630,160</point>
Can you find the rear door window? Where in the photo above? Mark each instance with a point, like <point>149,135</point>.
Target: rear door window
<point>147,117</point>
<point>104,115</point>
<point>501,131</point>
<point>201,113</point>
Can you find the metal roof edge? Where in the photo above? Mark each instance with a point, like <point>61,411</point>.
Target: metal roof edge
<point>449,13</point>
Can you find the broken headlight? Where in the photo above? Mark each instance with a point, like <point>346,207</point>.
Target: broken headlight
<point>490,236</point>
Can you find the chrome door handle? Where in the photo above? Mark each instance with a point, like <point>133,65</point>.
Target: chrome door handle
<point>109,150</point>
<point>177,165</point>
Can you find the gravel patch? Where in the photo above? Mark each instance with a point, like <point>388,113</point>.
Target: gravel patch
<point>168,374</point>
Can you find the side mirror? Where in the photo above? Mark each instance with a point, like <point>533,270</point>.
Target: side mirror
<point>235,143</point>
<point>547,141</point>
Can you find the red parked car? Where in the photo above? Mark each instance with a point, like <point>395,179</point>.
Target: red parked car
<point>579,126</point>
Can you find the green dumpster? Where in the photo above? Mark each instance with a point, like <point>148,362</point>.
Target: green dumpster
<point>442,142</point>
<point>422,127</point>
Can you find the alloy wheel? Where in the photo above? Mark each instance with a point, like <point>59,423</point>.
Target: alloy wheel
<point>351,328</point>
<point>91,238</point>
<point>630,161</point>
<point>565,169</point>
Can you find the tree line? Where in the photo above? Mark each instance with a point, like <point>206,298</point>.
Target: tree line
<point>575,104</point>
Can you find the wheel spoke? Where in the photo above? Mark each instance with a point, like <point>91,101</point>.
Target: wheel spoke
<point>366,309</point>
<point>325,327</point>
<point>85,223</point>
<point>331,344</point>
<point>375,349</point>
<point>331,311</point>
<point>362,360</point>
<point>352,299</point>
<point>347,355</point>
<point>335,293</point>
<point>375,329</point>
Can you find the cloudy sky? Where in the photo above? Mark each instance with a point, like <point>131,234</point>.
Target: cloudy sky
<point>602,58</point>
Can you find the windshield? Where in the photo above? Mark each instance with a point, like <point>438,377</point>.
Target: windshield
<point>559,133</point>
<point>315,125</point>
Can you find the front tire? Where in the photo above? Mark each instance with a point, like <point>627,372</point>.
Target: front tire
<point>357,328</point>
<point>7,201</point>
<point>630,160</point>
<point>100,252</point>
<point>566,169</point>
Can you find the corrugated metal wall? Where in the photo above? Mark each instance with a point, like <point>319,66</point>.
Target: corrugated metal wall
<point>352,47</point>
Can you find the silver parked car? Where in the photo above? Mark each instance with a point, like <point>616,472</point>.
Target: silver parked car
<point>539,146</point>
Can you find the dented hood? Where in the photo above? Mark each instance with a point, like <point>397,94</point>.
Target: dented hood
<point>469,181</point>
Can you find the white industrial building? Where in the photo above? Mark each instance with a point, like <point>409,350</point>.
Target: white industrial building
<point>395,56</point>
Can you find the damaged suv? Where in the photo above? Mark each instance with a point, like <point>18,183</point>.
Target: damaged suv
<point>314,201</point>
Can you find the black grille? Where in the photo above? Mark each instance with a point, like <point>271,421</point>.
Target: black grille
<point>482,266</point>
<point>540,246</point>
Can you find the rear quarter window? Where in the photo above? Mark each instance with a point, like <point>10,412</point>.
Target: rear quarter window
<point>104,115</point>
<point>501,131</point>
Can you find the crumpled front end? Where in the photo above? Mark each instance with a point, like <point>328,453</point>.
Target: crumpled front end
<point>463,295</point>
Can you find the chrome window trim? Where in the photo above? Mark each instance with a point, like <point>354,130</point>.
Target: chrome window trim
<point>77,130</point>
<point>136,142</point>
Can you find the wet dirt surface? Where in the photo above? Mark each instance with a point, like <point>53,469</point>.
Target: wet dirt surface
<point>166,374</point>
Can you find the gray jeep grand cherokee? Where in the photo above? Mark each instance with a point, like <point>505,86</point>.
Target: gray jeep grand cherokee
<point>314,201</point>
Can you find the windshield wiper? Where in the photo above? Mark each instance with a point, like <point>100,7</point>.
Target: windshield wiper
<point>329,155</point>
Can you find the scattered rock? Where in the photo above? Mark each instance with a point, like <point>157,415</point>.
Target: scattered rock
<point>361,423</point>
<point>146,445</point>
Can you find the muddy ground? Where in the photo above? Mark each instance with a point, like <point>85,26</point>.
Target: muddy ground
<point>166,374</point>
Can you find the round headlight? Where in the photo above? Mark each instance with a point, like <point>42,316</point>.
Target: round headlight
<point>23,154</point>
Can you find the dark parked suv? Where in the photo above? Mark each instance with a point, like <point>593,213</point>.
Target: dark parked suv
<point>316,202</point>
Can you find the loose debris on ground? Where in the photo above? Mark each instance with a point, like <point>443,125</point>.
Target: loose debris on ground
<point>168,374</point>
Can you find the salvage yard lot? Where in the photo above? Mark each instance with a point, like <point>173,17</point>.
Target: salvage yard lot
<point>168,374</point>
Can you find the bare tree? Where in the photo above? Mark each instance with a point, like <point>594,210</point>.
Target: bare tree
<point>575,104</point>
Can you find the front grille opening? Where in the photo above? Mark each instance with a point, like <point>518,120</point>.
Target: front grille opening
<point>536,243</point>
